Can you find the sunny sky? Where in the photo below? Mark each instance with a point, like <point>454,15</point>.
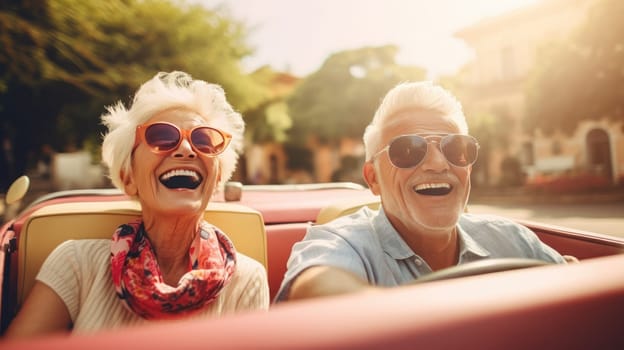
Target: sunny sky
<point>298,35</point>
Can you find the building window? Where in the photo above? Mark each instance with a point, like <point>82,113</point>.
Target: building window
<point>599,152</point>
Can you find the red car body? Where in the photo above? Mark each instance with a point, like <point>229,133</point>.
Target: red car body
<point>574,306</point>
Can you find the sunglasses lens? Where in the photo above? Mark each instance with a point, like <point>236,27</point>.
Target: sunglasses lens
<point>407,151</point>
<point>459,150</point>
<point>208,140</point>
<point>162,137</point>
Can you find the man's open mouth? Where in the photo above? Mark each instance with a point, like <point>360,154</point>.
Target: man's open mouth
<point>433,189</point>
<point>181,178</point>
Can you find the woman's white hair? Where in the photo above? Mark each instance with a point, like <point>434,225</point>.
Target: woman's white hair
<point>422,95</point>
<point>175,90</point>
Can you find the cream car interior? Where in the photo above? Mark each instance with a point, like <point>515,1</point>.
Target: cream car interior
<point>49,226</point>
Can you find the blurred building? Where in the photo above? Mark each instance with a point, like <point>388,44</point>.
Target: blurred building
<point>505,50</point>
<point>75,170</point>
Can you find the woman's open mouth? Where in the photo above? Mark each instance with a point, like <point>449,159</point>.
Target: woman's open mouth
<point>181,178</point>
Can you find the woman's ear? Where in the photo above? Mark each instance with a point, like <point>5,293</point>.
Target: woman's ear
<point>129,185</point>
<point>370,176</point>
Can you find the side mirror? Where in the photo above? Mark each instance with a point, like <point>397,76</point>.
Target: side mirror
<point>14,196</point>
<point>17,190</point>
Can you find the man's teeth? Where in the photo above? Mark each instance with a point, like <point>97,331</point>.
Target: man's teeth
<point>433,189</point>
<point>180,172</point>
<point>431,186</point>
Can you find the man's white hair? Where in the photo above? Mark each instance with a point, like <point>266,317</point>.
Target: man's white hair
<point>424,95</point>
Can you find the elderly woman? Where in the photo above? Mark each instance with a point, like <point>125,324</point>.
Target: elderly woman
<point>170,150</point>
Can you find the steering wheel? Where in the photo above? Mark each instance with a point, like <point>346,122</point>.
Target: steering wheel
<point>480,267</point>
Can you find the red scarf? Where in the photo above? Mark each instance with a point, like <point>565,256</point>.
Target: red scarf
<point>139,282</point>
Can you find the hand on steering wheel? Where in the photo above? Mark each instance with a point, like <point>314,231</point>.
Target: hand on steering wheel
<point>480,267</point>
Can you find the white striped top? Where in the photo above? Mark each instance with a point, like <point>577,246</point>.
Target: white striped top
<point>79,272</point>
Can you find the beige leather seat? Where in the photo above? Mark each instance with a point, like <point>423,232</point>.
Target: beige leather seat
<point>344,207</point>
<point>49,226</point>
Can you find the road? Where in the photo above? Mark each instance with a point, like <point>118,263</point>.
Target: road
<point>606,218</point>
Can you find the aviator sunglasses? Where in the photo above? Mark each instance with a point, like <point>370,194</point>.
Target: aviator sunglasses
<point>408,151</point>
<point>164,137</point>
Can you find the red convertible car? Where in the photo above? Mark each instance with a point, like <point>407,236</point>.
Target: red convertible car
<point>502,304</point>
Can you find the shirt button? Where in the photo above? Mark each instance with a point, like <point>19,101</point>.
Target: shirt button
<point>418,261</point>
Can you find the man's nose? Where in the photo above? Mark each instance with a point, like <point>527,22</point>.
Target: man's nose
<point>434,159</point>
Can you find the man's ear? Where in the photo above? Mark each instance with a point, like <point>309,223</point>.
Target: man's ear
<point>370,176</point>
<point>129,185</point>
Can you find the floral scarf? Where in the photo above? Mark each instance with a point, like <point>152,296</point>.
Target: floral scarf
<point>139,282</point>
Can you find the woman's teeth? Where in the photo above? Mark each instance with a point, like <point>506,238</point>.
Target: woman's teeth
<point>181,178</point>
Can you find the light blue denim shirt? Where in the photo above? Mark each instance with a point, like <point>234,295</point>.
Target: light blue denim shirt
<point>366,244</point>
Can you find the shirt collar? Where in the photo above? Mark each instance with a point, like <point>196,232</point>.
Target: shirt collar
<point>469,249</point>
<point>391,241</point>
<point>394,245</point>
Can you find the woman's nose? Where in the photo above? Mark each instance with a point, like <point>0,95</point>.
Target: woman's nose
<point>185,149</point>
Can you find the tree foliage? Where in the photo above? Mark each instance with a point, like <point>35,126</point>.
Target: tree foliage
<point>341,97</point>
<point>63,60</point>
<point>270,120</point>
<point>581,78</point>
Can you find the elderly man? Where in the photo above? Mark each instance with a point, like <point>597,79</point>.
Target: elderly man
<point>419,157</point>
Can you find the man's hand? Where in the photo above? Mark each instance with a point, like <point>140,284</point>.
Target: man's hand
<point>570,259</point>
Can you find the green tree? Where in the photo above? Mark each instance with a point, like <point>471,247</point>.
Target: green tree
<point>580,78</point>
<point>270,120</point>
<point>64,60</point>
<point>341,97</point>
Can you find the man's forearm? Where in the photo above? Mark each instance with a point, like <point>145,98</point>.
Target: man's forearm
<point>318,281</point>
